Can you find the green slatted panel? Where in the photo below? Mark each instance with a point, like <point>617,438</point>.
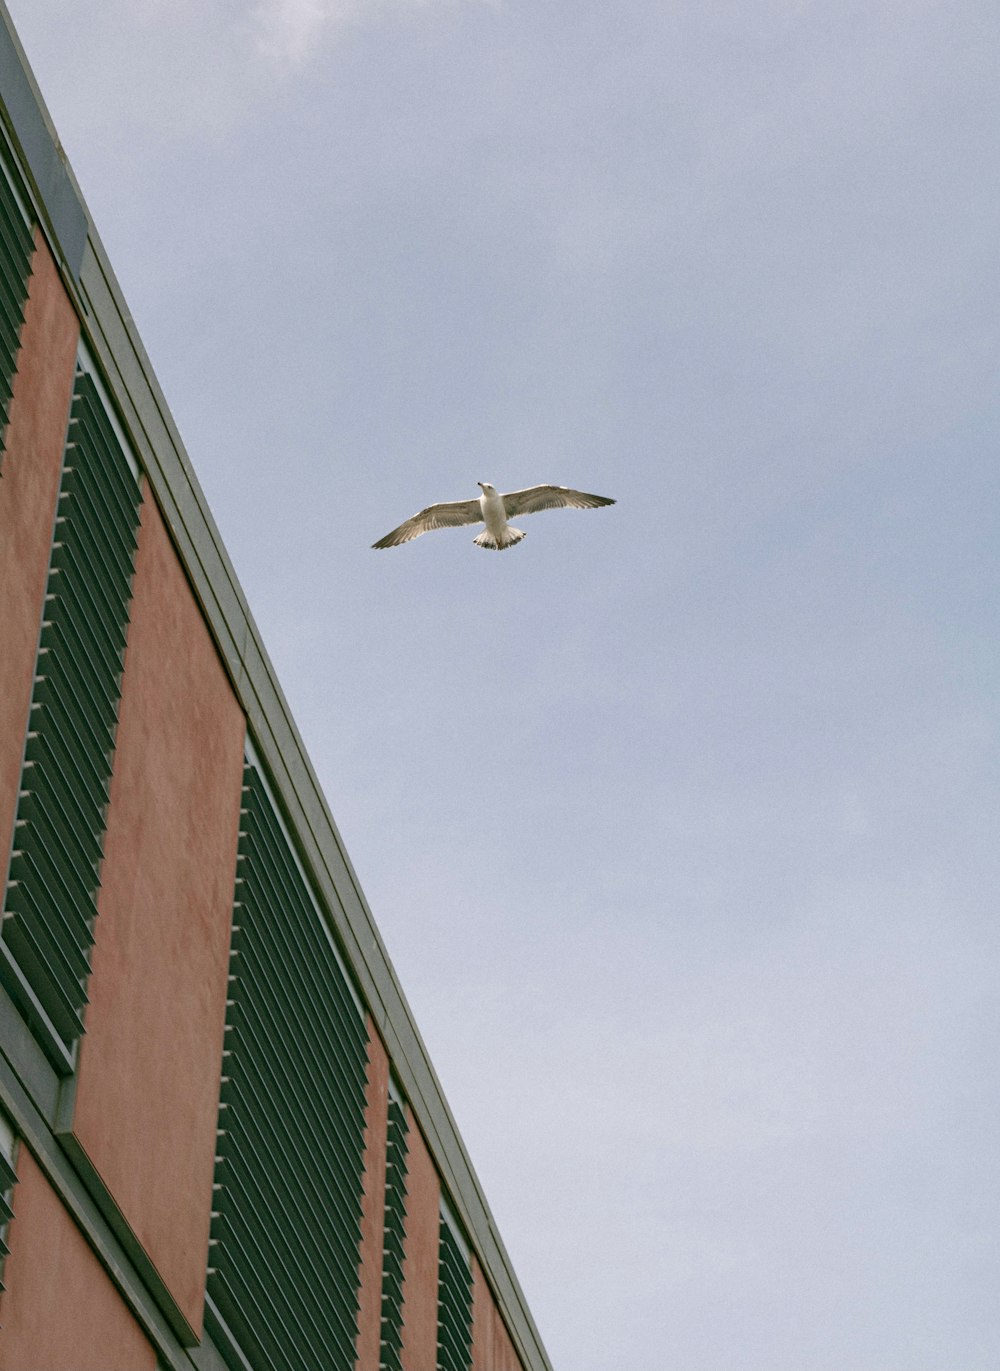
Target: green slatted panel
<point>287,1224</point>
<point>454,1349</point>
<point>8,1177</point>
<point>54,876</point>
<point>16,251</point>
<point>392,1245</point>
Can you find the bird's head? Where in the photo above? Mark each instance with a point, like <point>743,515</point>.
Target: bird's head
<point>485,487</point>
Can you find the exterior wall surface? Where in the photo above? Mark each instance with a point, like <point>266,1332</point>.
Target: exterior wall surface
<point>420,1264</point>
<point>60,1310</point>
<point>29,488</point>
<point>373,1204</point>
<point>492,1349</point>
<point>147,1097</point>
<point>116,1131</point>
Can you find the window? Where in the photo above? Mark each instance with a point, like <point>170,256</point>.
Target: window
<point>51,900</point>
<point>454,1352</point>
<point>8,1178</point>
<point>394,1234</point>
<point>283,1274</point>
<point>16,251</point>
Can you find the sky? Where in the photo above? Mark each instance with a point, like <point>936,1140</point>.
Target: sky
<point>679,820</point>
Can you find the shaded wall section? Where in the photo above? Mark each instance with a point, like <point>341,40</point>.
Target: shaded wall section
<point>420,1263</point>
<point>60,1311</point>
<point>147,1095</point>
<point>29,488</point>
<point>373,1204</point>
<point>492,1349</point>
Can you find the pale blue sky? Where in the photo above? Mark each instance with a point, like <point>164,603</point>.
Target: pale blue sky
<point>680,819</point>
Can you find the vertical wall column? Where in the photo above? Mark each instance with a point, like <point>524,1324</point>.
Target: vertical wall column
<point>146,1101</point>
<point>492,1349</point>
<point>420,1264</point>
<point>59,1307</point>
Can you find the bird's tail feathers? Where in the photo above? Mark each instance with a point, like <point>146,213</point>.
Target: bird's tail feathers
<point>507,539</point>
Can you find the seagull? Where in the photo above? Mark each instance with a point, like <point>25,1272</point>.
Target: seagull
<point>493,510</point>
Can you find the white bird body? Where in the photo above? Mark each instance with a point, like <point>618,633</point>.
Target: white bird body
<point>493,510</point>
<point>494,514</point>
<point>499,534</point>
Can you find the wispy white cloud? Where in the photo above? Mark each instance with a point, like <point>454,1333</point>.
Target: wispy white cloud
<point>290,32</point>
<point>179,68</point>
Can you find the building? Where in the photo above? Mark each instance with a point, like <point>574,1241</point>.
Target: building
<point>222,1145</point>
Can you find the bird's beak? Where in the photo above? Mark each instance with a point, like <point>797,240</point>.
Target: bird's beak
<point>481,485</point>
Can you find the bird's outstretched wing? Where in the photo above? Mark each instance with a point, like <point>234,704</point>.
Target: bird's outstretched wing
<point>533,499</point>
<point>449,515</point>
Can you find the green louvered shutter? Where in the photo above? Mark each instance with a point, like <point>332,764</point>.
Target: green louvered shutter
<point>8,1178</point>
<point>454,1348</point>
<point>286,1228</point>
<point>51,899</point>
<point>16,251</point>
<point>393,1239</point>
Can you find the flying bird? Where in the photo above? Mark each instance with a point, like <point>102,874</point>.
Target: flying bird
<point>493,510</point>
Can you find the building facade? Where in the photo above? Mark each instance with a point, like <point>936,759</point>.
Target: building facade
<point>222,1145</point>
